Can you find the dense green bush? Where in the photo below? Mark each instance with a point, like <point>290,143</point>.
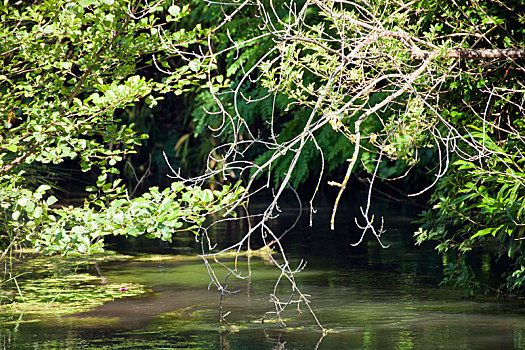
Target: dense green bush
<point>68,70</point>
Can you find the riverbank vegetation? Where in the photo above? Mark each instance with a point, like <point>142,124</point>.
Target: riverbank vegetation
<point>245,96</point>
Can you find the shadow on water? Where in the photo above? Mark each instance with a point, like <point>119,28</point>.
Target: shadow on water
<point>370,298</point>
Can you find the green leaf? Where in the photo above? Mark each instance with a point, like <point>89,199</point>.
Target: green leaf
<point>51,200</point>
<point>174,10</point>
<point>22,201</point>
<point>82,248</point>
<point>194,65</point>
<point>30,206</point>
<point>483,232</point>
<point>43,188</point>
<point>37,213</point>
<point>86,3</point>
<point>206,196</point>
<point>16,215</point>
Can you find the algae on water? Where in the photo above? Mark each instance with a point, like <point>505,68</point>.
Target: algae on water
<point>40,286</point>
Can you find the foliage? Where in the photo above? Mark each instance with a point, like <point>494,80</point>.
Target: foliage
<point>288,92</point>
<point>155,214</point>
<point>386,87</point>
<point>245,43</point>
<point>479,202</point>
<point>68,69</point>
<point>473,121</point>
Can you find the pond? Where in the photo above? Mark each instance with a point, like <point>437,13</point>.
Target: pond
<point>368,297</point>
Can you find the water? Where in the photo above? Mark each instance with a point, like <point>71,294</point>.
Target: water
<point>369,298</point>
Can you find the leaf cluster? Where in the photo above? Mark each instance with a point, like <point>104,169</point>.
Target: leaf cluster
<point>67,70</point>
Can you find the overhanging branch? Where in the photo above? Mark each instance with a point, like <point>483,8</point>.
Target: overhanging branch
<point>475,53</point>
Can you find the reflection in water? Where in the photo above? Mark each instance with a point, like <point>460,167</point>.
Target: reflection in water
<point>369,297</point>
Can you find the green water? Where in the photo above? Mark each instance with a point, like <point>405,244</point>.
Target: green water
<point>369,298</point>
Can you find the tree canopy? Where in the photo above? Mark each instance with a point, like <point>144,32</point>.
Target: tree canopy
<point>69,70</point>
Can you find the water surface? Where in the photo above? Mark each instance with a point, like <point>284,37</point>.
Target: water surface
<point>369,298</point>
